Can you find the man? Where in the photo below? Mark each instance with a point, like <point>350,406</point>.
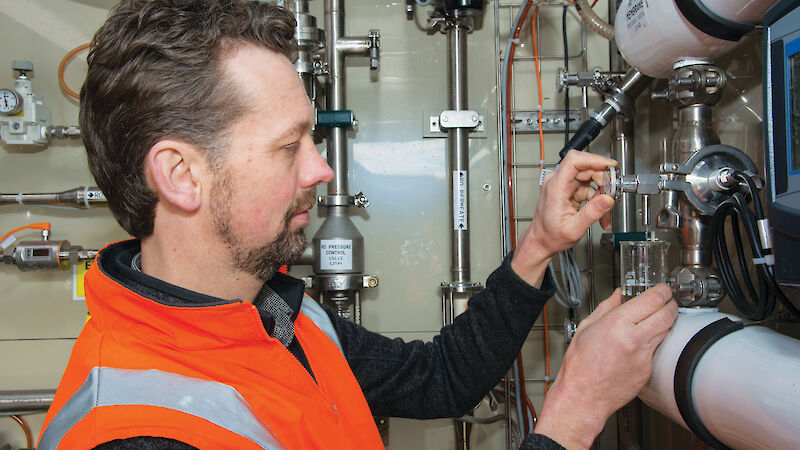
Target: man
<point>197,129</point>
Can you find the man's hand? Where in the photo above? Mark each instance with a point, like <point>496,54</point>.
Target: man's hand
<point>608,362</point>
<point>560,221</point>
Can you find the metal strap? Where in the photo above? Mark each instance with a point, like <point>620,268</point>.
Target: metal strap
<point>684,375</point>
<point>216,402</point>
<point>710,22</point>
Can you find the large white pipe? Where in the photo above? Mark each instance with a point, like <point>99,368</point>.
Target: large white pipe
<point>745,389</point>
<point>653,35</point>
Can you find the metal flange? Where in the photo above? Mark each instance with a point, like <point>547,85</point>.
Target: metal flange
<point>460,288</point>
<point>705,164</point>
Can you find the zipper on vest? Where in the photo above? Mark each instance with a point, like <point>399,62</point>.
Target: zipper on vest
<point>319,385</point>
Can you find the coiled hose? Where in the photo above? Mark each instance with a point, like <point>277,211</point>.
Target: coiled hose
<point>753,304</point>
<point>594,21</point>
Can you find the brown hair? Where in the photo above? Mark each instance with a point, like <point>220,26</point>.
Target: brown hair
<point>155,72</point>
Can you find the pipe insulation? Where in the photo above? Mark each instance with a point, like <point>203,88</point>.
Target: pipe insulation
<point>745,387</point>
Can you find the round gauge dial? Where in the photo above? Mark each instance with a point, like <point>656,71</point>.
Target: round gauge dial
<point>10,102</point>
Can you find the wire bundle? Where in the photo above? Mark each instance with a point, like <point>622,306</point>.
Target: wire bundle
<point>754,305</point>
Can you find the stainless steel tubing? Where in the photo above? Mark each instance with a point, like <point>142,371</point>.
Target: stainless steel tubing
<point>337,136</point>
<point>458,143</point>
<point>695,131</point>
<point>25,401</point>
<point>624,212</point>
<point>352,45</point>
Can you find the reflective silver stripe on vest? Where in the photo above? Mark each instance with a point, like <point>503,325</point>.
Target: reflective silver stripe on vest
<point>313,311</point>
<point>107,386</point>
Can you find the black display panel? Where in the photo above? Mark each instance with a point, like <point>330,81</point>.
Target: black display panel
<point>794,109</point>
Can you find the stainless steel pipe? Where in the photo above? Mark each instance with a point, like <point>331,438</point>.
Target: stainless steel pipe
<point>624,213</point>
<point>458,145</point>
<point>25,401</point>
<point>335,97</point>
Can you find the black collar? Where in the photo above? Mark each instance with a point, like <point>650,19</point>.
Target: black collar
<point>115,262</point>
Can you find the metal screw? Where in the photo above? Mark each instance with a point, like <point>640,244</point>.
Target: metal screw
<point>475,118</point>
<point>674,167</point>
<point>487,187</point>
<point>444,118</point>
<point>16,126</point>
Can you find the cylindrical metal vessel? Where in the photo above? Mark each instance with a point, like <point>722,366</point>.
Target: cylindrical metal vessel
<point>652,35</point>
<point>745,387</point>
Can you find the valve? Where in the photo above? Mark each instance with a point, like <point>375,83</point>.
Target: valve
<point>24,118</point>
<point>374,38</point>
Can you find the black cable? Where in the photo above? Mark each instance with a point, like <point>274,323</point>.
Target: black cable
<point>566,70</point>
<point>753,305</point>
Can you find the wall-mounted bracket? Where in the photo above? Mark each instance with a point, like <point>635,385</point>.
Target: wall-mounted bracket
<point>553,121</point>
<point>436,124</point>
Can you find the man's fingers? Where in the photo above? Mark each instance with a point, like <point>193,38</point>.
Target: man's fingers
<point>583,193</point>
<point>646,304</point>
<point>604,308</point>
<point>660,321</point>
<point>594,209</point>
<point>605,221</point>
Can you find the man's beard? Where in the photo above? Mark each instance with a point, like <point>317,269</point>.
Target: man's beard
<point>262,261</point>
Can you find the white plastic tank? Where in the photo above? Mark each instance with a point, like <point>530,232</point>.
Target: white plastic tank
<point>746,387</point>
<point>653,34</point>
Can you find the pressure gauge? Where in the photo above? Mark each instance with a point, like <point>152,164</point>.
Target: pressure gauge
<point>10,102</point>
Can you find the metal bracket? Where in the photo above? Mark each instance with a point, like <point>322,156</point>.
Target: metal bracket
<point>435,126</point>
<point>553,121</point>
<point>678,169</point>
<point>360,200</point>
<point>340,282</point>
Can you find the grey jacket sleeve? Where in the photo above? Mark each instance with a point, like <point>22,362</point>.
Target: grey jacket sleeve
<point>450,375</point>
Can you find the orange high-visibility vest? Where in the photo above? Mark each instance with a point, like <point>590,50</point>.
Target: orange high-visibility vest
<point>209,376</point>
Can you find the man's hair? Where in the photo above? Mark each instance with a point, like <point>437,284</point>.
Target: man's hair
<point>156,72</point>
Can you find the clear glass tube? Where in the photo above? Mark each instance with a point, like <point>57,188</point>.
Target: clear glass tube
<point>643,264</point>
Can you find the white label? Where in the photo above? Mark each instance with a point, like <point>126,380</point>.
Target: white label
<point>460,200</point>
<point>336,254</point>
<point>636,17</point>
<point>543,174</point>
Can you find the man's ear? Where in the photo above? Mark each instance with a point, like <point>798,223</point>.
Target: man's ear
<point>177,171</point>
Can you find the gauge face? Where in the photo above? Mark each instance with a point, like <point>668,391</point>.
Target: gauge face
<point>10,102</point>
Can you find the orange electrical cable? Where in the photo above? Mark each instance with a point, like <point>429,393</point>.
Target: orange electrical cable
<point>63,64</point>
<point>34,226</point>
<point>541,167</point>
<point>546,351</point>
<point>539,84</point>
<point>27,429</point>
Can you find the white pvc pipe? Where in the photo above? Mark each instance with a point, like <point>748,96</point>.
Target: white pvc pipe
<point>746,387</point>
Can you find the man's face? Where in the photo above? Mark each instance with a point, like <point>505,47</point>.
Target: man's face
<point>265,185</point>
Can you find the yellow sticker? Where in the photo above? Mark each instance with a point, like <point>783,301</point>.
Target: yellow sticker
<point>78,273</point>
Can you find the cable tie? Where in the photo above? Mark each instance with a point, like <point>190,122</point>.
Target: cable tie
<point>764,234</point>
<point>514,40</point>
<point>542,174</point>
<point>768,260</point>
<point>86,196</point>
<point>7,241</point>
<point>19,198</point>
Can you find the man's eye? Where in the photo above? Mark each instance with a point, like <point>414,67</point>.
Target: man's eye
<point>292,147</point>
